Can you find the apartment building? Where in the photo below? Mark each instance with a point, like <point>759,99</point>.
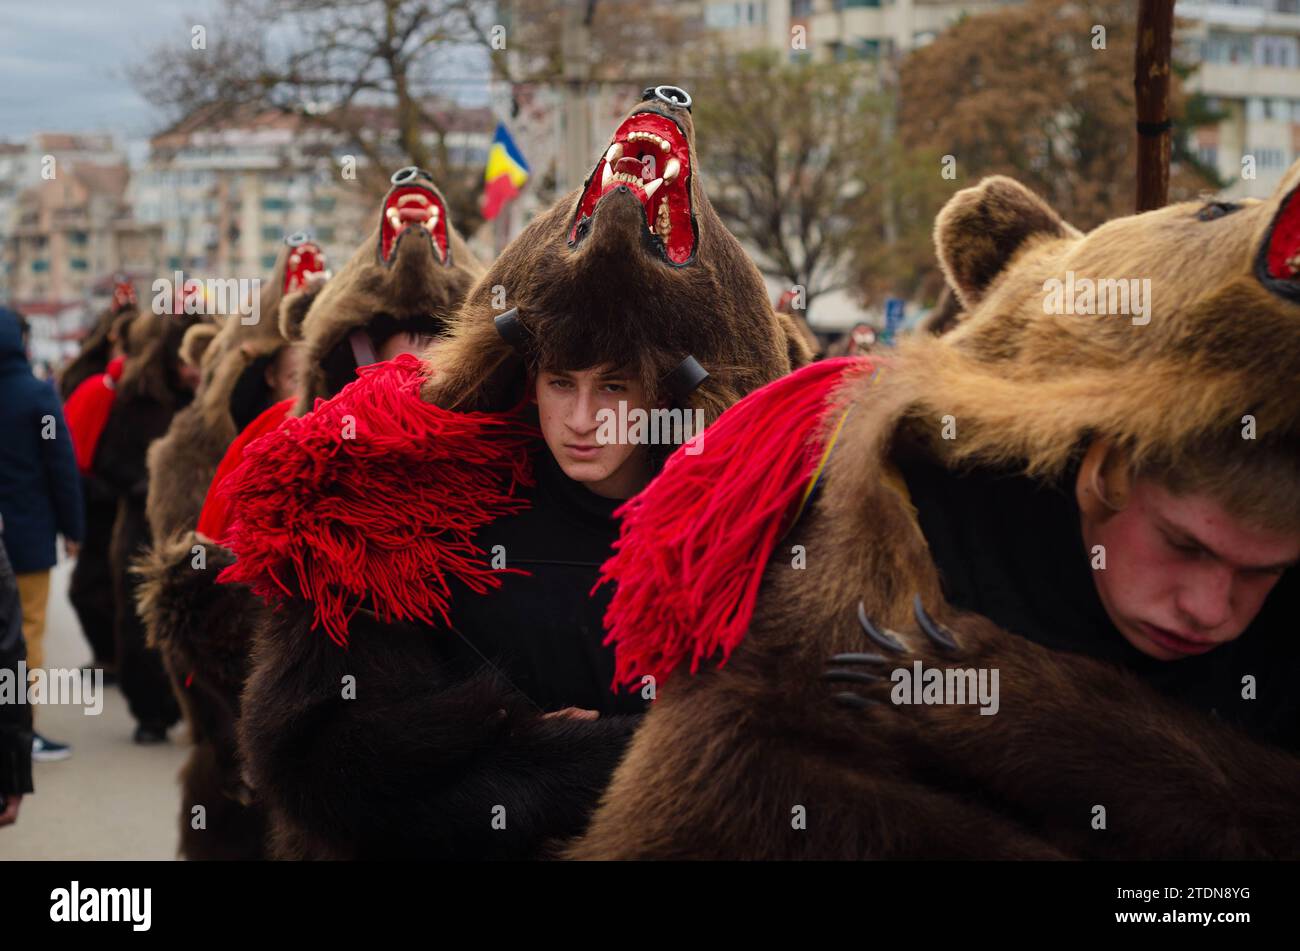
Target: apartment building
<point>69,222</point>
<point>1249,71</point>
<point>837,29</point>
<point>226,192</point>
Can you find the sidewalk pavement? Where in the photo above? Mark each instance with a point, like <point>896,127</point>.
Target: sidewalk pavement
<point>112,799</point>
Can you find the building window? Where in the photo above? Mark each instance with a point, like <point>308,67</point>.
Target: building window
<point>325,203</point>
<point>79,237</point>
<point>40,265</point>
<point>722,16</point>
<point>1229,48</point>
<point>268,261</point>
<point>1268,158</point>
<point>79,264</point>
<point>1279,51</point>
<point>325,235</point>
<point>274,204</point>
<point>271,233</point>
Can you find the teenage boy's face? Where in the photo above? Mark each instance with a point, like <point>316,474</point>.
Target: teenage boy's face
<point>1182,576</point>
<point>285,372</point>
<point>403,342</point>
<point>568,404</point>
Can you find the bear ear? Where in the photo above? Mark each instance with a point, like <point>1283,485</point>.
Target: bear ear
<point>980,230</point>
<point>195,343</point>
<point>294,307</point>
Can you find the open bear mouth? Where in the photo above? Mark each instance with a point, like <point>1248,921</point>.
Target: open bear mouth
<point>306,260</point>
<point>123,294</point>
<point>412,207</point>
<point>1284,243</point>
<point>649,154</point>
<point>1278,263</point>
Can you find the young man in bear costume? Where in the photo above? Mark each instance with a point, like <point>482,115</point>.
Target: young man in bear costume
<point>156,384</point>
<point>432,682</point>
<point>1101,507</point>
<point>98,347</point>
<point>91,587</point>
<point>244,368</point>
<point>397,291</point>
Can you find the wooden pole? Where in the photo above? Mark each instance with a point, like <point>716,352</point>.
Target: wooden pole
<point>1151,86</point>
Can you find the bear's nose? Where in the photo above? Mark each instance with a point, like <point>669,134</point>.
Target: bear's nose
<point>405,176</point>
<point>674,96</point>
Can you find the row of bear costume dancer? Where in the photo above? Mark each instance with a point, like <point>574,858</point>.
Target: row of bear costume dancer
<point>420,608</point>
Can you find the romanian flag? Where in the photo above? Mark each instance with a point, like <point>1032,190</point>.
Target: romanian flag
<point>505,174</point>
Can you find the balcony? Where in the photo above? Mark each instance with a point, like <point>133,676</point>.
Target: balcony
<point>1241,81</point>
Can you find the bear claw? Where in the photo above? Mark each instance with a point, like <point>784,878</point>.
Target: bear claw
<point>850,676</point>
<point>933,629</point>
<point>884,637</point>
<point>853,701</point>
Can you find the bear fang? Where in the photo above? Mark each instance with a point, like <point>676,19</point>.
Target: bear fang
<point>103,904</point>
<point>954,685</point>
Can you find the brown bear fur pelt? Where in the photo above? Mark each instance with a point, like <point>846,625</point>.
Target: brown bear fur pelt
<point>97,349</point>
<point>201,627</point>
<point>181,465</point>
<point>150,393</point>
<point>415,763</point>
<point>420,284</point>
<point>593,285</point>
<point>91,587</point>
<point>727,754</point>
<point>202,630</point>
<point>194,444</point>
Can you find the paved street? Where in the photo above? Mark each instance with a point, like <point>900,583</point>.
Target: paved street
<point>112,799</point>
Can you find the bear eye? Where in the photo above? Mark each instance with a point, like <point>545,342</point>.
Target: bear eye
<point>1217,209</point>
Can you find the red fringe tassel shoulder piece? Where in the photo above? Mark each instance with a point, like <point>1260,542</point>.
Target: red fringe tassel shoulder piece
<point>373,499</point>
<point>694,543</point>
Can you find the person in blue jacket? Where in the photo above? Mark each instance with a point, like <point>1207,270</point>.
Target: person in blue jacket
<point>40,491</point>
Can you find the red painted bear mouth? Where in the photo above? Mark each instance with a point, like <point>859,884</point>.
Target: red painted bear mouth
<point>305,262</point>
<point>412,208</point>
<point>123,295</point>
<point>1278,263</point>
<point>1284,243</point>
<point>650,155</point>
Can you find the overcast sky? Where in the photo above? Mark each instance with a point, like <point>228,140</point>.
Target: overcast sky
<point>62,62</point>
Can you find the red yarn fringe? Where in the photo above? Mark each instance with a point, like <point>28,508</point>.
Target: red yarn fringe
<point>384,518</point>
<point>694,543</point>
<point>87,410</point>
